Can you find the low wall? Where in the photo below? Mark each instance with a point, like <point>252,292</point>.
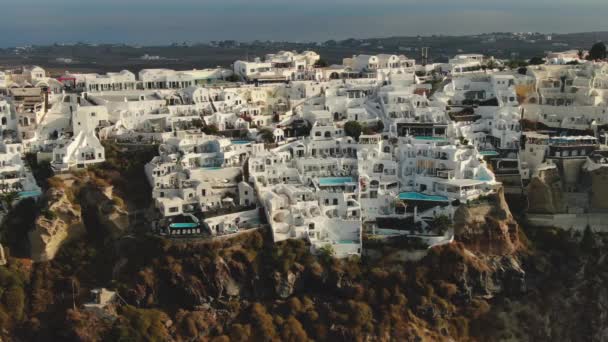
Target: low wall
<point>598,222</point>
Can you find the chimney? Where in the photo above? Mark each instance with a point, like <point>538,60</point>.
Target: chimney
<point>45,92</point>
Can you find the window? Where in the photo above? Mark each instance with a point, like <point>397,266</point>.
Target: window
<point>173,209</point>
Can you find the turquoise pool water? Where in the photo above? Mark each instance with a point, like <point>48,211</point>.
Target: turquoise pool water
<point>484,178</point>
<point>253,221</point>
<point>335,180</point>
<point>348,242</point>
<point>183,225</point>
<point>387,232</point>
<point>28,194</point>
<point>240,142</point>
<point>416,196</point>
<point>212,168</point>
<point>421,137</point>
<point>488,153</point>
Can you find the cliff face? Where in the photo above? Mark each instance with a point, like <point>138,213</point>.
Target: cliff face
<point>105,209</point>
<point>546,194</point>
<point>63,217</point>
<point>61,220</point>
<point>598,180</point>
<point>487,227</point>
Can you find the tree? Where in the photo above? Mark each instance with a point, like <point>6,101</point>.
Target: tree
<point>140,325</point>
<point>491,64</point>
<point>588,240</point>
<point>326,253</point>
<point>9,198</point>
<point>262,323</point>
<point>441,224</point>
<point>266,135</point>
<point>211,130</point>
<point>598,51</point>
<point>321,63</point>
<point>536,61</point>
<point>513,64</point>
<point>353,129</point>
<point>292,330</point>
<point>580,53</point>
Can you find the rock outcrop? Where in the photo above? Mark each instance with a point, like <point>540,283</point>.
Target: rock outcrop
<point>108,210</point>
<point>597,179</point>
<point>546,194</point>
<point>73,203</point>
<point>61,220</point>
<point>487,227</point>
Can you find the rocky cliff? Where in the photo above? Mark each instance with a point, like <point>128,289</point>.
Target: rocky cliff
<point>487,226</point>
<point>597,181</point>
<point>546,194</point>
<point>107,210</point>
<point>63,215</point>
<point>59,221</point>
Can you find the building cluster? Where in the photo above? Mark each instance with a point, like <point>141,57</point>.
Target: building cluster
<point>377,145</point>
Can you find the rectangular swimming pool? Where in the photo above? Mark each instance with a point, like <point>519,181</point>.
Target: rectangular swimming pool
<point>416,196</point>
<point>183,225</point>
<point>28,194</point>
<point>347,242</point>
<point>429,138</point>
<point>327,181</point>
<point>240,142</point>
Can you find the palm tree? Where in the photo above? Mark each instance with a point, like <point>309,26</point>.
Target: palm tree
<point>580,53</point>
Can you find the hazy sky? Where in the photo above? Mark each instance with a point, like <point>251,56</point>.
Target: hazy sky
<point>164,21</point>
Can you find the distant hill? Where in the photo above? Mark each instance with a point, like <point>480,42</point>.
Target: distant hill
<point>115,57</point>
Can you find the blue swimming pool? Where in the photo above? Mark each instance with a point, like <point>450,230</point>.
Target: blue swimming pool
<point>240,142</point>
<point>347,242</point>
<point>416,196</point>
<point>183,225</point>
<point>335,180</point>
<point>388,232</point>
<point>421,137</point>
<point>488,153</point>
<point>484,178</point>
<point>28,194</point>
